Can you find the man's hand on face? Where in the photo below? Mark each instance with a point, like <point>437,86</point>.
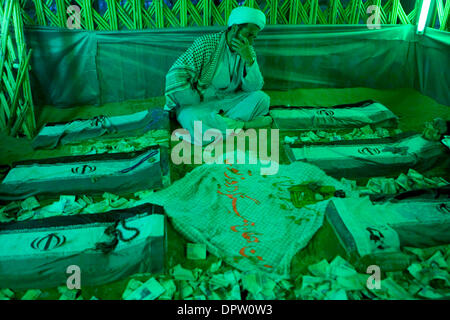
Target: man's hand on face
<point>243,48</point>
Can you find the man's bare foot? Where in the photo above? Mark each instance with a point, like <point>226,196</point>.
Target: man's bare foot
<point>232,123</point>
<point>259,122</point>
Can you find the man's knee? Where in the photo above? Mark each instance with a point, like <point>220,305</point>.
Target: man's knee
<point>263,101</point>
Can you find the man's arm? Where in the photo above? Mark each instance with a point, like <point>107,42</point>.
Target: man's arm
<point>252,79</point>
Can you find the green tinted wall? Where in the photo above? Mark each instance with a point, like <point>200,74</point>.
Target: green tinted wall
<point>74,67</point>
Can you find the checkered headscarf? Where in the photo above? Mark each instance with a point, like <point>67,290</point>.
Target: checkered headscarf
<point>195,68</point>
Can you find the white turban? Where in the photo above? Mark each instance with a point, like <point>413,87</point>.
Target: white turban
<point>242,15</point>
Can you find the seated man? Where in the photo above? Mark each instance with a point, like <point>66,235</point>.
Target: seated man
<point>217,80</point>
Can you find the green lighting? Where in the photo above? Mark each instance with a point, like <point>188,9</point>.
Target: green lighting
<point>423,16</point>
